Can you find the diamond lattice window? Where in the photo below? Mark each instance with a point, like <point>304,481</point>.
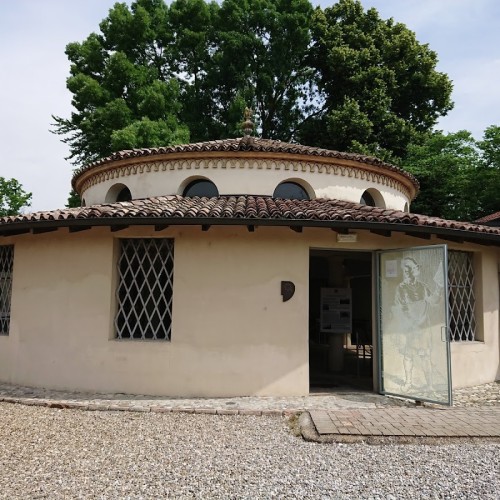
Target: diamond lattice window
<point>145,289</point>
<point>6,265</point>
<point>461,296</point>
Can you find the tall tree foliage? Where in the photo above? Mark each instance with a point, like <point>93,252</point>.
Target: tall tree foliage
<point>12,197</point>
<point>191,26</point>
<point>124,90</point>
<point>339,78</point>
<point>459,176</point>
<point>443,164</point>
<point>485,185</point>
<point>260,57</point>
<point>380,86</point>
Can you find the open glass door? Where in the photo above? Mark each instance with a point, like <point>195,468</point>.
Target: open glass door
<point>412,286</point>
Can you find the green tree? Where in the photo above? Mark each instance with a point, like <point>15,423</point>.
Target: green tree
<point>486,183</point>
<point>379,85</point>
<point>260,59</point>
<point>459,176</point>
<point>192,25</point>
<point>339,78</point>
<point>12,197</point>
<point>490,147</point>
<point>74,200</point>
<point>124,90</point>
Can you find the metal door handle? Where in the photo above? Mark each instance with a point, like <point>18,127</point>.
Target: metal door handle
<point>444,337</point>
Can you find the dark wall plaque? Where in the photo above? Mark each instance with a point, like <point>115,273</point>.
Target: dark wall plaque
<point>287,290</point>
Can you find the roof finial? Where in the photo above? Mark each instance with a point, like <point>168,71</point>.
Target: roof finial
<point>248,124</point>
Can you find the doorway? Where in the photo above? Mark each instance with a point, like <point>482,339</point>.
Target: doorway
<point>340,320</point>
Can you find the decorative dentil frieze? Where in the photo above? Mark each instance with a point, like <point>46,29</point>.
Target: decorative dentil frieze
<point>244,164</point>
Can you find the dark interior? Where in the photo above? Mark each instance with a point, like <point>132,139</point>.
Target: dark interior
<point>338,360</point>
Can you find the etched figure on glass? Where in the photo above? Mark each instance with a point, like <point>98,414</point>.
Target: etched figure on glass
<point>412,311</point>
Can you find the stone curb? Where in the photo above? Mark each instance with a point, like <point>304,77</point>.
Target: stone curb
<point>307,428</point>
<point>91,406</point>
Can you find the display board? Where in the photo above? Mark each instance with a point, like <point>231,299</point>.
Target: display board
<point>336,310</point>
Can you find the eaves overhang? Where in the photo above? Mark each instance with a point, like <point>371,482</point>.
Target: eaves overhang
<point>160,223</point>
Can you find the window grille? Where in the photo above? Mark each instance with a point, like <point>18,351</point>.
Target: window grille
<point>145,289</point>
<point>6,265</point>
<point>461,296</point>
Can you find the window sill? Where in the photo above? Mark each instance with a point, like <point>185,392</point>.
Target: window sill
<point>114,339</point>
<point>467,342</point>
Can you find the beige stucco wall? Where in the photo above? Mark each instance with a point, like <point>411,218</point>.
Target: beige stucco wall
<point>478,362</point>
<point>239,176</point>
<point>232,334</point>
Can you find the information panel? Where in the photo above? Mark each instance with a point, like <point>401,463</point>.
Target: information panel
<point>336,310</point>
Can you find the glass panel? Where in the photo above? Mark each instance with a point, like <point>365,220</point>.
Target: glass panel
<point>413,318</point>
<point>290,191</point>
<point>124,195</point>
<point>201,188</point>
<point>367,199</point>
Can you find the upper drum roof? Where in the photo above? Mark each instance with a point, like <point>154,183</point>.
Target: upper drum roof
<point>244,145</point>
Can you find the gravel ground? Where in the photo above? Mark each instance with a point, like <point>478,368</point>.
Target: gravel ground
<point>52,453</point>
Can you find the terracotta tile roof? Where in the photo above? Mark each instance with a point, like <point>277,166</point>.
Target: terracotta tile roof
<point>488,218</point>
<point>245,144</point>
<point>246,210</point>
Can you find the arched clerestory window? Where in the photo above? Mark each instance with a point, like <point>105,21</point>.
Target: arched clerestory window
<point>291,191</point>
<point>367,199</point>
<point>372,198</point>
<point>201,188</point>
<point>118,192</point>
<point>124,195</point>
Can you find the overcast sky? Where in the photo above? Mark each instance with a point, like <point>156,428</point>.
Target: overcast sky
<point>34,33</point>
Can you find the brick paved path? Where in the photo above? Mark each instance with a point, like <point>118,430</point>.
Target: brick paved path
<point>425,422</point>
